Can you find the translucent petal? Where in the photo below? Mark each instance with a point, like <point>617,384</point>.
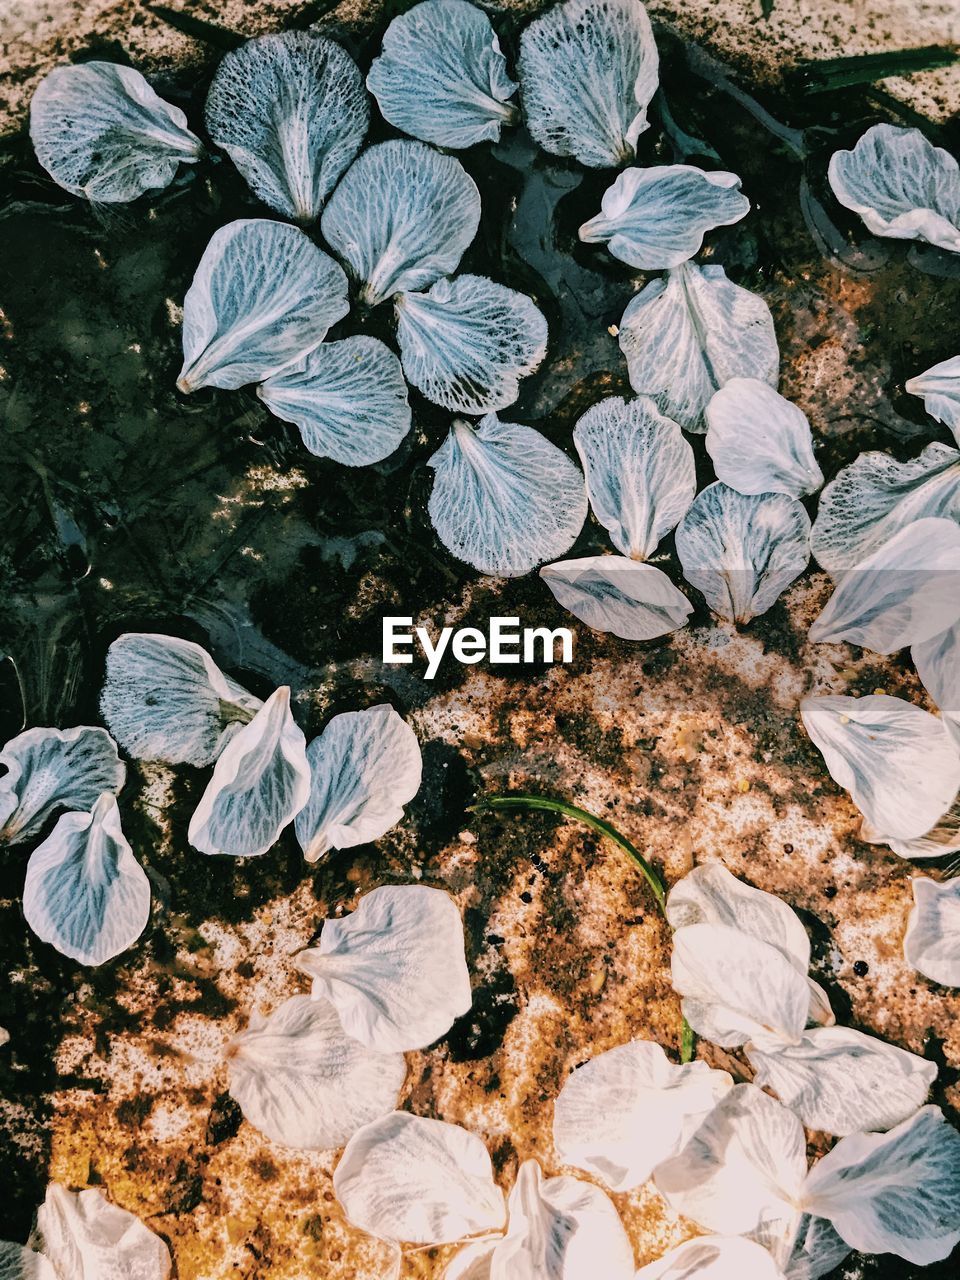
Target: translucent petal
<point>932,943</point>
<point>640,472</point>
<point>938,665</point>
<point>504,498</point>
<point>18,1263</point>
<point>759,442</point>
<point>656,218</point>
<point>896,760</point>
<point>611,593</point>
<point>394,969</point>
<point>86,1237</point>
<point>876,496</point>
<point>467,342</point>
<point>422,1181</point>
<point>713,1258</point>
<point>905,592</point>
<point>687,335</point>
<point>302,1081</point>
<point>166,699</point>
<point>262,298</point>
<point>841,1081</point>
<point>743,551</point>
<point>901,185</point>
<point>365,767</point>
<point>473,1261</point>
<point>348,398</point>
<point>897,1192</point>
<point>260,783</point>
<point>402,217</point>
<point>746,1163</point>
<point>804,1247</point>
<point>100,131</point>
<point>940,388</point>
<point>291,112</point>
<point>441,76</point>
<point>940,839</point>
<point>625,1111</point>
<point>588,69</point>
<point>49,769</point>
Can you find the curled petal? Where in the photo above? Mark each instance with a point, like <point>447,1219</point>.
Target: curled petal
<point>932,943</point>
<point>938,665</point>
<point>759,442</point>
<point>50,769</point>
<point>473,1261</point>
<point>86,1237</point>
<point>941,839</point>
<point>611,593</point>
<point>713,1258</point>
<point>940,388</point>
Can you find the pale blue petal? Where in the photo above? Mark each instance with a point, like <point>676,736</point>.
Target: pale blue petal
<point>759,442</point>
<point>611,593</point>
<point>940,388</point>
<point>49,769</point>
<point>18,1263</point>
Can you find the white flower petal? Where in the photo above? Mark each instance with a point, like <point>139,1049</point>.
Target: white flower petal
<point>260,783</point>
<point>897,1192</point>
<point>743,551</point>
<point>100,131</point>
<point>640,472</point>
<point>4,1036</point>
<point>940,388</point>
<point>365,767</point>
<point>86,1237</point>
<point>302,1081</point>
<point>291,113</point>
<point>421,1181</point>
<point>49,769</point>
<point>901,185</point>
<point>625,1111</point>
<point>504,498</point>
<point>262,298</point>
<point>938,665</point>
<point>687,335</point>
<point>402,217</point>
<point>759,442</point>
<point>348,398</point>
<point>18,1263</point>
<point>472,1262</point>
<point>395,968</point>
<point>713,1258</point>
<point>611,593</point>
<point>941,839</point>
<point>897,761</point>
<point>588,69</point>
<point>804,1247</point>
<point>441,76</point>
<point>932,942</point>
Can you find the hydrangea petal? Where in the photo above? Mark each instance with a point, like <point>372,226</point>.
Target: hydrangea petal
<point>713,1258</point>
<point>626,1110</point>
<point>260,783</point>
<point>611,593</point>
<point>418,1180</point>
<point>743,551</point>
<point>349,400</point>
<point>49,769</point>
<point>896,760</point>
<point>402,217</point>
<point>687,335</point>
<point>101,132</point>
<point>804,1247</point>
<point>365,767</point>
<point>588,70</point>
<point>932,942</point>
<point>18,1263</point>
<point>262,298</point>
<point>938,665</point>
<point>395,968</point>
<point>759,442</point>
<point>901,185</point>
<point>504,498</point>
<point>442,77</point>
<point>291,112</point>
<point>640,472</point>
<point>85,1237</point>
<point>940,388</point>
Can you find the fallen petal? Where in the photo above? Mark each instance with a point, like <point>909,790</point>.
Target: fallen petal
<point>611,593</point>
<point>713,1258</point>
<point>938,665</point>
<point>85,1237</point>
<point>759,442</point>
<point>940,388</point>
<point>932,943</point>
<point>18,1263</point>
<point>50,769</point>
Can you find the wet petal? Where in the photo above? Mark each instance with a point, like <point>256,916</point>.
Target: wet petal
<point>50,769</point>
<point>421,1181</point>
<point>713,1258</point>
<point>262,298</point>
<point>441,76</point>
<point>611,593</point>
<point>260,783</point>
<point>348,398</point>
<point>932,943</point>
<point>365,767</point>
<point>504,498</point>
<point>940,388</point>
<point>402,217</point>
<point>394,969</point>
<point>640,472</point>
<point>86,1237</point>
<point>742,552</point>
<point>18,1263</point>
<point>166,699</point>
<point>626,1110</point>
<point>291,112</point>
<point>302,1081</point>
<point>687,335</point>
<point>896,760</point>
<point>759,442</point>
<point>100,131</point>
<point>588,69</point>
<point>938,665</point>
<point>467,342</point>
<point>901,185</point>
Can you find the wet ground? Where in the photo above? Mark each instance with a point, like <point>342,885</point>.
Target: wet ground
<point>127,506</point>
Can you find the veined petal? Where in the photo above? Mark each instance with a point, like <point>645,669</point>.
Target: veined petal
<point>759,442</point>
<point>473,1261</point>
<point>50,769</point>
<point>938,665</point>
<point>611,593</point>
<point>932,943</point>
<point>940,388</point>
<point>85,1237</point>
<point>804,1247</point>
<point>18,1263</point>
<point>713,1258</point>
<point>941,839</point>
